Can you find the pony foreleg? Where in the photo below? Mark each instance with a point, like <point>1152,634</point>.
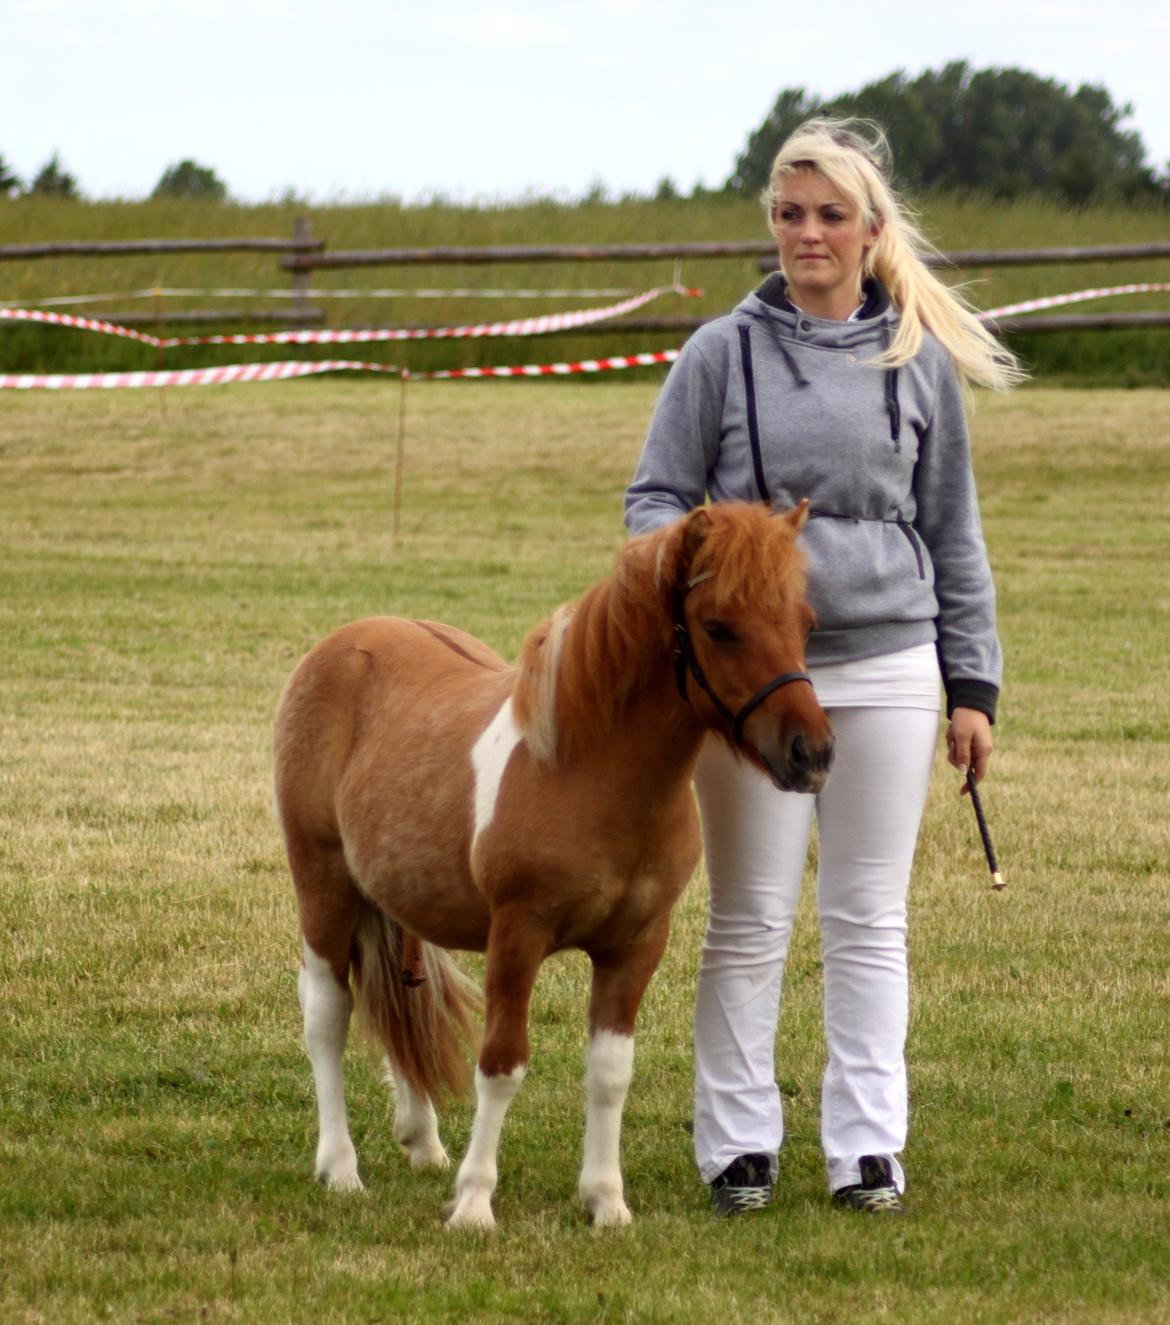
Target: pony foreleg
<point>514,952</point>
<point>326,1007</point>
<point>476,1182</point>
<point>416,1125</point>
<point>619,981</point>
<point>609,1066</point>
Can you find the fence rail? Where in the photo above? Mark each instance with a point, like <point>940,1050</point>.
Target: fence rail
<point>1023,323</point>
<point>118,248</point>
<point>524,254</point>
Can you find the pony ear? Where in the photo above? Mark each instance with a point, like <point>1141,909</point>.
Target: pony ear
<point>696,527</point>
<point>680,547</point>
<point>797,517</point>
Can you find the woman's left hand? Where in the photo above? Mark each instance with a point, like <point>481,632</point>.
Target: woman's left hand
<point>969,743</point>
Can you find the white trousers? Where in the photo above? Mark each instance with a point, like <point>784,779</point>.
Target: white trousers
<point>756,841</point>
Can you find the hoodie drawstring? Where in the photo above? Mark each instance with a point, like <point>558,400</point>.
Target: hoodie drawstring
<point>893,408</point>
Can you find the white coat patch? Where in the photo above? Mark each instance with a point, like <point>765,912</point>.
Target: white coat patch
<point>489,759</point>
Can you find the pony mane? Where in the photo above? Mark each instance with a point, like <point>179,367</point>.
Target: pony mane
<point>580,669</point>
<point>749,555</point>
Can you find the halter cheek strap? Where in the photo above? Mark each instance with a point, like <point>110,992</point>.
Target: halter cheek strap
<point>686,660</point>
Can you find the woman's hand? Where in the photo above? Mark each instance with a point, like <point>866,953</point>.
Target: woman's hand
<point>969,743</point>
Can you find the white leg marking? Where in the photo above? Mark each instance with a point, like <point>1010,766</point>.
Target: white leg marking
<point>489,759</point>
<point>326,1008</point>
<point>477,1174</point>
<point>609,1065</point>
<point>416,1125</point>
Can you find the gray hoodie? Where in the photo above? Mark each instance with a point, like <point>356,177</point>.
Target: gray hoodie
<point>772,403</point>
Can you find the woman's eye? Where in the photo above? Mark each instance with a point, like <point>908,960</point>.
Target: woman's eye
<point>719,632</point>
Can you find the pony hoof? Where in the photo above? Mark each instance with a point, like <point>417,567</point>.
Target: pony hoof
<point>342,1182</point>
<point>472,1211</point>
<point>610,1214</point>
<point>427,1157</point>
<point>345,1182</point>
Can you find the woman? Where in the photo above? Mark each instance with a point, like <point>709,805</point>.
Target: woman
<point>840,380</point>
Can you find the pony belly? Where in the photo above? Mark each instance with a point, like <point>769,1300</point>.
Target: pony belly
<point>407,843</point>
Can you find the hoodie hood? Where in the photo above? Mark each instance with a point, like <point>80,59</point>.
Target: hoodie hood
<point>770,306</point>
<point>871,331</point>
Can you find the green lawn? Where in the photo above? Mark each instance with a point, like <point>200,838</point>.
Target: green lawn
<point>164,563</point>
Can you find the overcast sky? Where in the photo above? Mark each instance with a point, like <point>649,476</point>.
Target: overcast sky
<point>361,98</point>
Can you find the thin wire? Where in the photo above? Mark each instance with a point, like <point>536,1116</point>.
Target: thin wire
<point>417,293</point>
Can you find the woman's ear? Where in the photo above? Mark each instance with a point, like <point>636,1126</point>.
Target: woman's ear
<point>875,233</point>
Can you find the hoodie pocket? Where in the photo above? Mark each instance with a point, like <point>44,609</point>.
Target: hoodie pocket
<point>908,530</point>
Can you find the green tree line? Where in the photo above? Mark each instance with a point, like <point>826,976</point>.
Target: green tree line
<point>184,179</point>
<point>1005,132</point>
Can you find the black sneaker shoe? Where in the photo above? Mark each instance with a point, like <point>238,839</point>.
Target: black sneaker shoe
<point>745,1184</point>
<point>876,1193</point>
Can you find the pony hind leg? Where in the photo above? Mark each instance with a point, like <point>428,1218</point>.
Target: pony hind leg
<point>618,985</point>
<point>416,1124</point>
<point>329,907</point>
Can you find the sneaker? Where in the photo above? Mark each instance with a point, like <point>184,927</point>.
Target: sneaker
<point>745,1184</point>
<point>876,1193</point>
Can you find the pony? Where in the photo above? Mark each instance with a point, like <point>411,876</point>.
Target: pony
<point>432,797</point>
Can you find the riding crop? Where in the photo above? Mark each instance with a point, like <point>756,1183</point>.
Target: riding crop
<point>997,879</point>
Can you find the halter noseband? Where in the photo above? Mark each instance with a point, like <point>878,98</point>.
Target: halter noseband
<point>686,660</point>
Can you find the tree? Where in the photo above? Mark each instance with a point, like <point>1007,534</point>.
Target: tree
<point>188,179</point>
<point>54,180</point>
<point>753,165</point>
<point>1004,131</point>
<point>8,181</point>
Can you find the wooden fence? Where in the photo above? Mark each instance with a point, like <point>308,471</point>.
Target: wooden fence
<point>305,253</point>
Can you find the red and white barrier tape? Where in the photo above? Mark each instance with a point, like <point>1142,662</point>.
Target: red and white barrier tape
<point>277,372</point>
<point>527,326</point>
<point>269,372</point>
<point>532,326</point>
<point>1077,297</point>
<point>80,323</point>
<point>237,372</point>
<point>556,369</point>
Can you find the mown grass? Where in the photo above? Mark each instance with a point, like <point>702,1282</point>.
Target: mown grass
<point>1088,358</point>
<point>162,570</point>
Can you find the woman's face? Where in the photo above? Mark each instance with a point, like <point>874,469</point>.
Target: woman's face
<point>823,241</point>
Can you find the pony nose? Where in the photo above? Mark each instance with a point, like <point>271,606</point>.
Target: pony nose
<point>799,755</point>
<point>804,759</point>
<point>806,763</point>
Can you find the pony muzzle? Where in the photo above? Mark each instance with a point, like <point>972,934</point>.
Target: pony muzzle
<point>798,759</point>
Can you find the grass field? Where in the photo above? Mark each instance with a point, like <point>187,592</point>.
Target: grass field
<point>1122,358</point>
<point>166,561</point>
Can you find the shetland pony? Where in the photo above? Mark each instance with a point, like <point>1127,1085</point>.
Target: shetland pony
<point>433,797</point>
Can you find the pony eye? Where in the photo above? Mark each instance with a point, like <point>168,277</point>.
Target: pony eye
<point>719,632</point>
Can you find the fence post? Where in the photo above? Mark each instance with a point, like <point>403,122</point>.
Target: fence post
<point>302,279</point>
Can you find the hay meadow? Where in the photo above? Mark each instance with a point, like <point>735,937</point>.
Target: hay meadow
<point>166,558</point>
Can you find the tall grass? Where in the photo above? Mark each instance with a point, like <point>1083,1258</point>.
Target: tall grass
<point>161,570</point>
<point>1127,358</point>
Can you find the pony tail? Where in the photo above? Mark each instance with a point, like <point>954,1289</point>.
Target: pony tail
<point>426,1029</point>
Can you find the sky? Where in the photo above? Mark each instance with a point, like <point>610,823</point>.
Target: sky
<point>493,101</point>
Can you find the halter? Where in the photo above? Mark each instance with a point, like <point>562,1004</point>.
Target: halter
<point>685,660</point>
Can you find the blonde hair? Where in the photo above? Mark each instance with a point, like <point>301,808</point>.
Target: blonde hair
<point>855,157</point>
